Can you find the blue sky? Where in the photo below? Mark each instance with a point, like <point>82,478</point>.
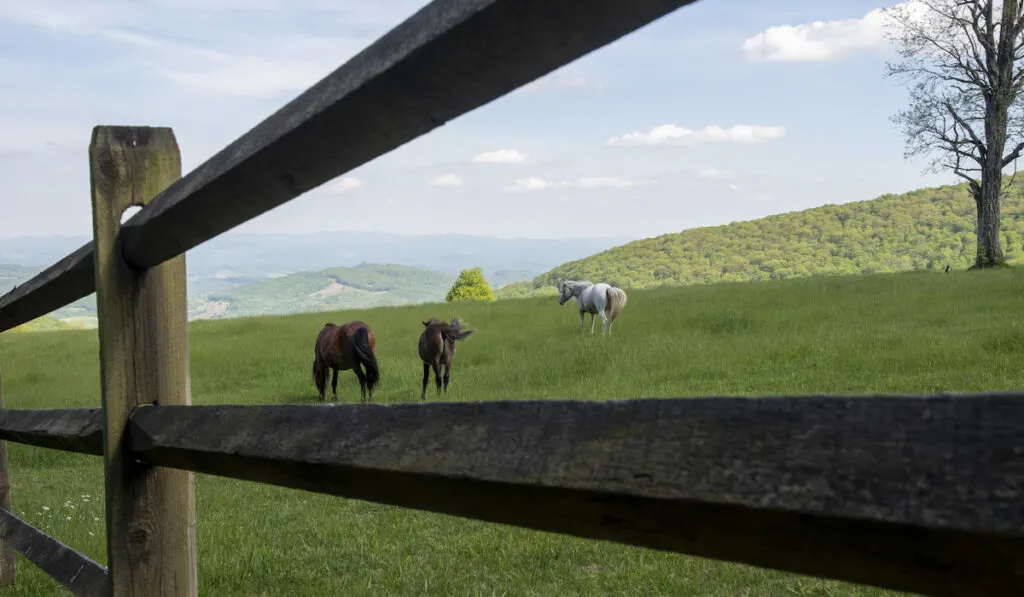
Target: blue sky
<point>724,110</point>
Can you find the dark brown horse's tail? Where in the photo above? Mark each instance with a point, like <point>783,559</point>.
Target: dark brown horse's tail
<point>455,332</point>
<point>361,343</point>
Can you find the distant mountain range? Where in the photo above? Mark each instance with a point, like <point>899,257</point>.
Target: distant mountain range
<point>249,270</point>
<point>358,287</point>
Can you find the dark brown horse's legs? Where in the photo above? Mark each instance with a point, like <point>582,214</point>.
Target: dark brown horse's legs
<point>447,373</point>
<point>334,384</point>
<point>426,380</point>
<point>362,381</point>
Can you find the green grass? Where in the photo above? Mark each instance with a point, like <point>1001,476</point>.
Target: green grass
<point>902,333</point>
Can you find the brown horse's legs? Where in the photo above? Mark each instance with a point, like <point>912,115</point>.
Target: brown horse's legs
<point>334,383</point>
<point>437,376</point>
<point>447,373</point>
<point>362,382</point>
<point>426,380</point>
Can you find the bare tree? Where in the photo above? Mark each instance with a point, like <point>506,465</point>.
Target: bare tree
<point>962,61</point>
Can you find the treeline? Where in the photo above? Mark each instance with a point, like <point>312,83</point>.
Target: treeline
<point>925,229</point>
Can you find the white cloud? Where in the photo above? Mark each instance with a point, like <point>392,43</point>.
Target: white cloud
<point>446,180</point>
<point>605,182</point>
<point>734,186</point>
<point>533,184</point>
<point>714,174</point>
<point>247,58</point>
<point>244,75</point>
<point>820,41</point>
<point>500,156</point>
<point>671,134</point>
<point>343,185</point>
<point>560,80</point>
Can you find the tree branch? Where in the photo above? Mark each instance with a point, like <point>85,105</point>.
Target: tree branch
<point>970,131</point>
<point>1013,155</point>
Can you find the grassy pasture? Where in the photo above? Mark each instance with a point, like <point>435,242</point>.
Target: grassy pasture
<point>903,333</point>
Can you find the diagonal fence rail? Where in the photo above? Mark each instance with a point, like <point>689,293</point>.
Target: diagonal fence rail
<point>912,493</point>
<point>447,59</point>
<point>74,571</point>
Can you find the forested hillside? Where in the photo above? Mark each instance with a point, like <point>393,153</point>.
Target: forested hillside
<point>919,230</point>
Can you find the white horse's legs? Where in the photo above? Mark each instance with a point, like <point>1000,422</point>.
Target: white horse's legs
<point>592,320</point>
<point>581,320</point>
<point>604,324</point>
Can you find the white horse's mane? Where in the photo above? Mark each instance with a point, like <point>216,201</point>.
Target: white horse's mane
<point>576,284</point>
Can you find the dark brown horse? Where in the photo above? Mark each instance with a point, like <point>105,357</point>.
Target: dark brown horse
<point>437,346</point>
<point>343,347</point>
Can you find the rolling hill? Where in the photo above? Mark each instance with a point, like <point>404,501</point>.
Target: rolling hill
<point>925,229</point>
<point>226,264</point>
<point>360,287</point>
<point>45,324</point>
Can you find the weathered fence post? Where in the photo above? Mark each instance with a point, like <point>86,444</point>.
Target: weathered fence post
<point>143,360</point>
<point>7,567</point>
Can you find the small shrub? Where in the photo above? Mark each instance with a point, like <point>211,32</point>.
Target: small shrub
<point>470,286</point>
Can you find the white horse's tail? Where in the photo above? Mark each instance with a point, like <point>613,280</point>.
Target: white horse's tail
<point>615,301</point>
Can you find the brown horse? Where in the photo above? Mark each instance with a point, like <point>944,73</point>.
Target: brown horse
<point>437,346</point>
<point>343,347</point>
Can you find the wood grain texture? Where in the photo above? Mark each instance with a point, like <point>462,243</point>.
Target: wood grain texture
<point>72,430</point>
<point>64,282</point>
<point>447,59</point>
<point>75,571</point>
<point>8,568</point>
<point>917,494</point>
<point>143,360</point>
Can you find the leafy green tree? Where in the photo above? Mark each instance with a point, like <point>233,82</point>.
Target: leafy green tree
<point>965,62</point>
<point>470,286</point>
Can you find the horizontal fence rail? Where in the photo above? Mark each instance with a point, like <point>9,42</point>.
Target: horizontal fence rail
<point>73,570</point>
<point>72,430</point>
<point>450,57</point>
<point>917,494</point>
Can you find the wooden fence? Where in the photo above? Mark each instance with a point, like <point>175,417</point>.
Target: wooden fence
<point>914,493</point>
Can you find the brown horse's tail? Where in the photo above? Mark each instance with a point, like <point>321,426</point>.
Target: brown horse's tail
<point>615,301</point>
<point>361,343</point>
<point>454,332</point>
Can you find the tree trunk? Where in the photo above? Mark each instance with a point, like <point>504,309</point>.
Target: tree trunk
<point>997,107</point>
<point>990,251</point>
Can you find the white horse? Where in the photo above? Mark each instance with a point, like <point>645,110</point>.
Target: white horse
<point>597,299</point>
